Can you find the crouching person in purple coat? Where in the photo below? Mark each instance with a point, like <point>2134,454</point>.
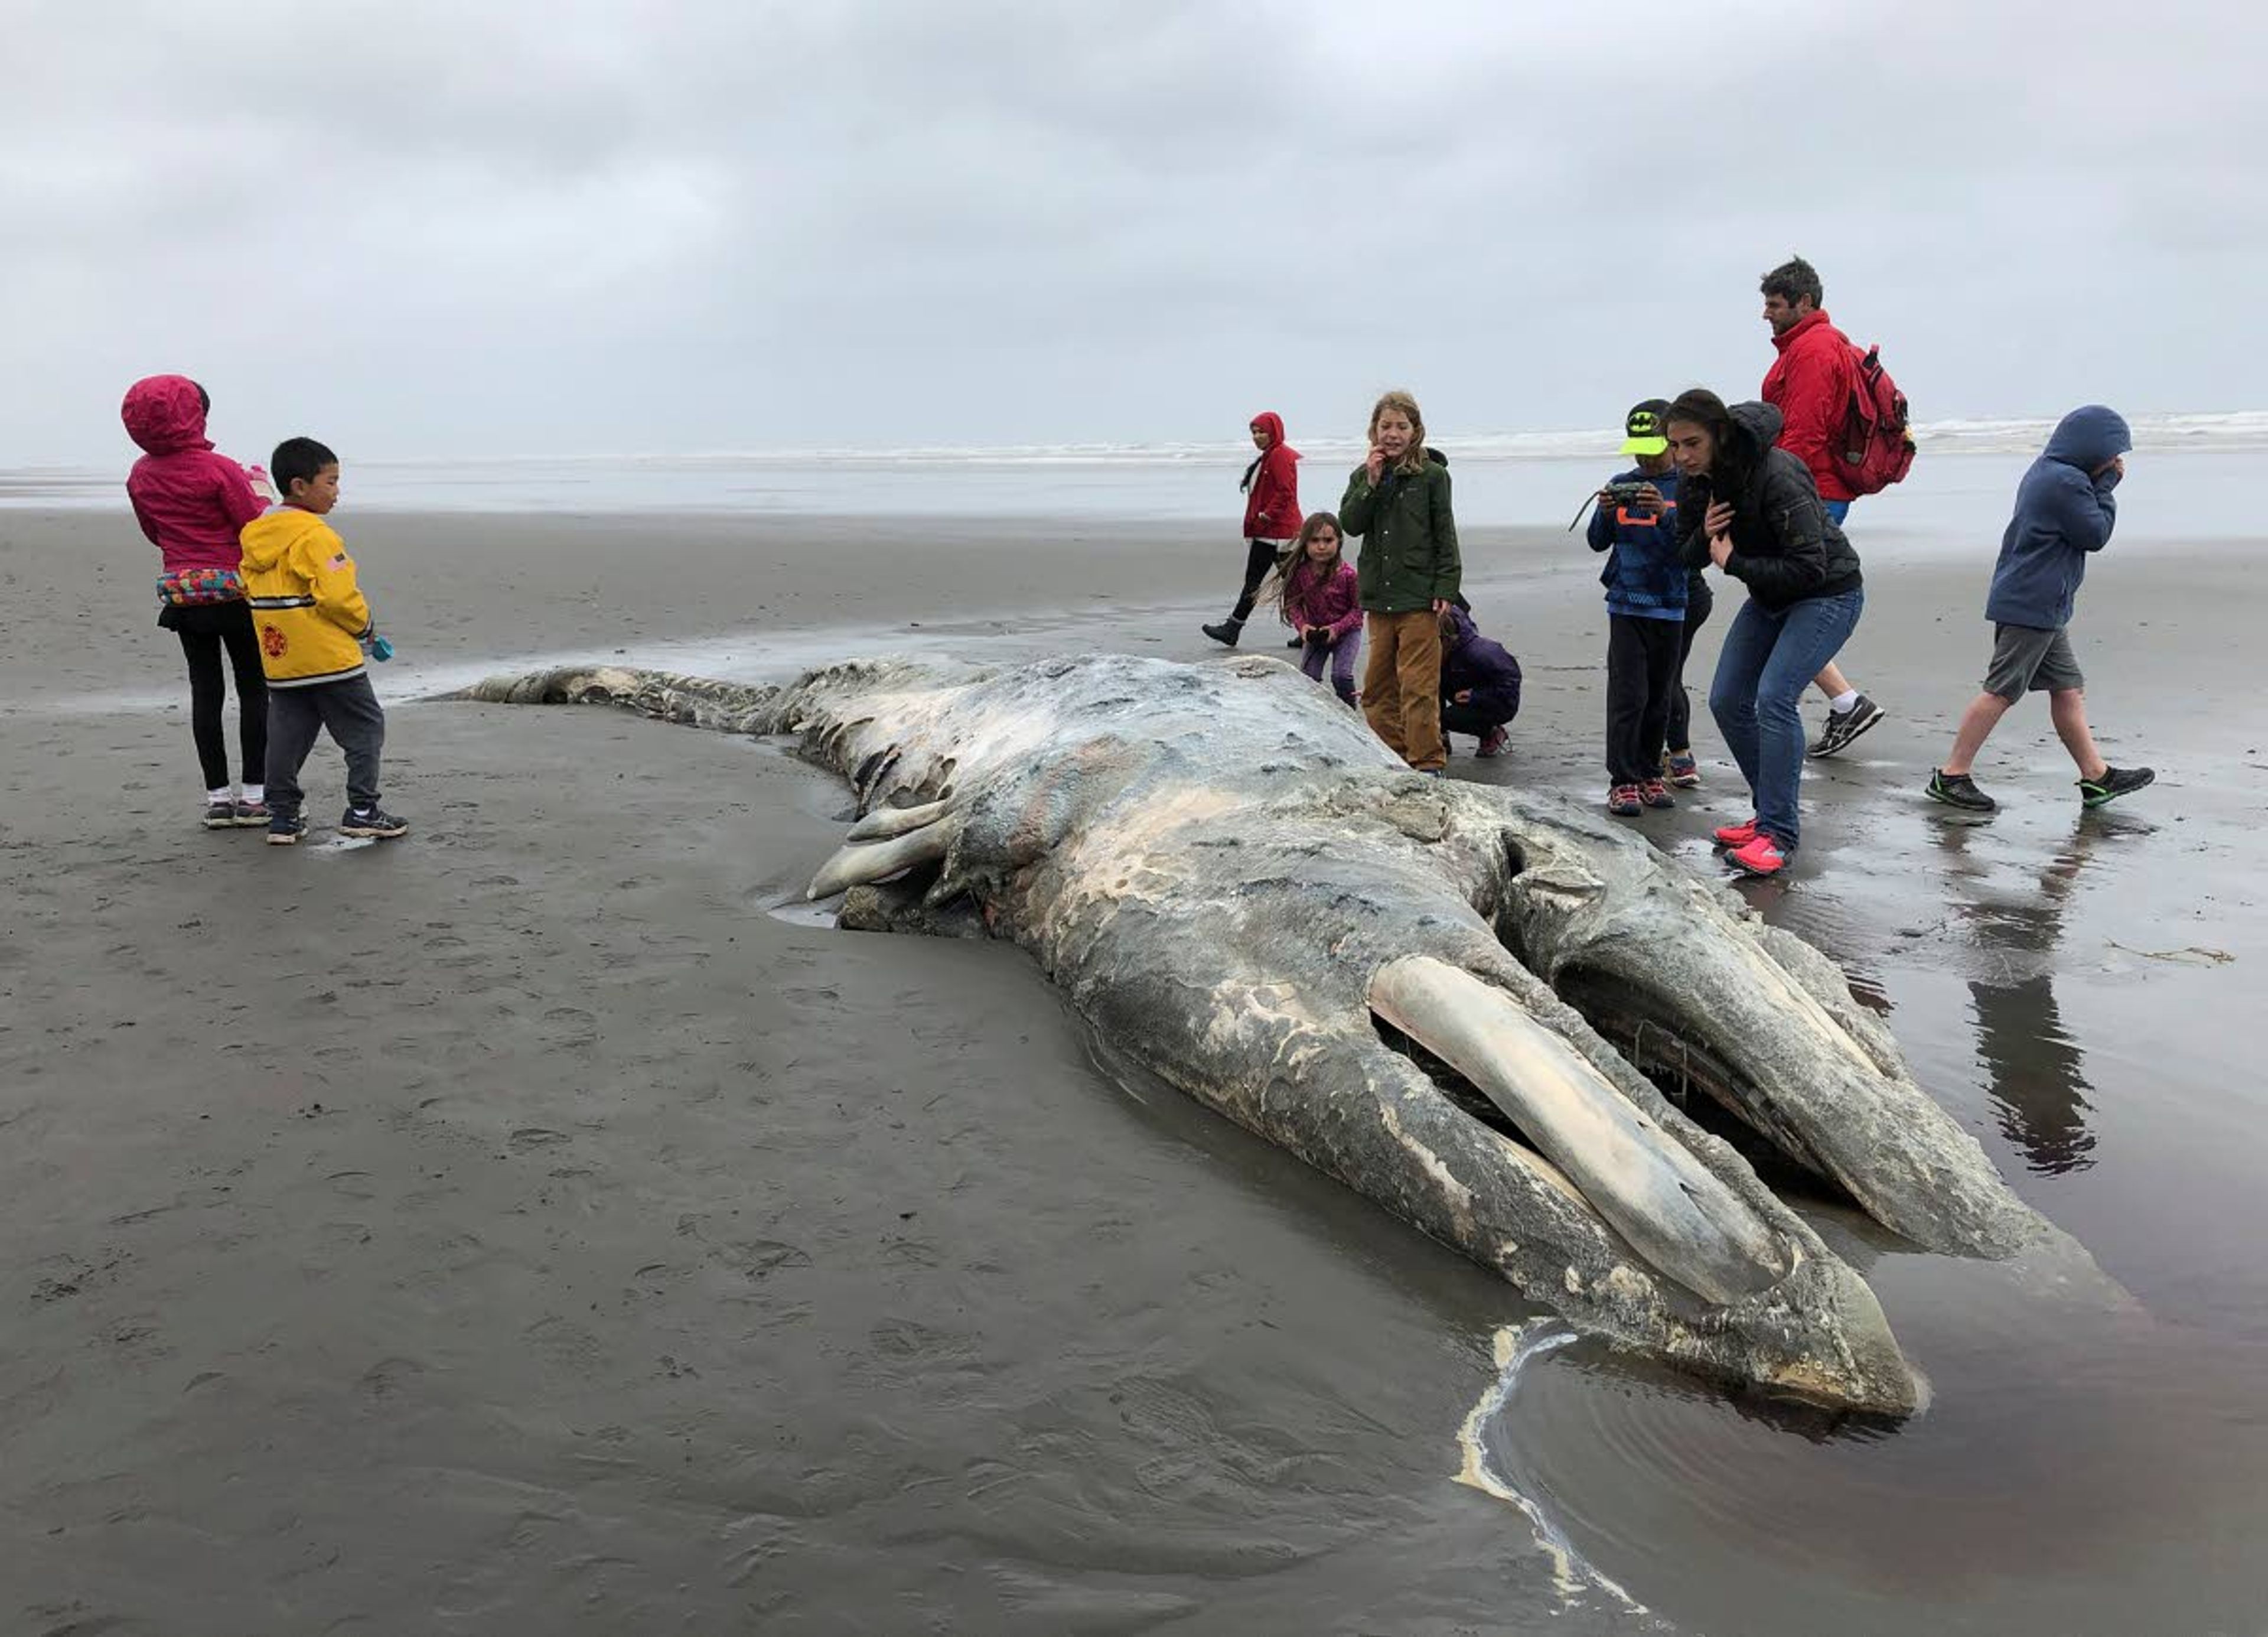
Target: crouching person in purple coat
<point>1480,683</point>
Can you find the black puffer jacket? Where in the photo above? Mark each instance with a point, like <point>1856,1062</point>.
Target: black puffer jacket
<point>1785,548</point>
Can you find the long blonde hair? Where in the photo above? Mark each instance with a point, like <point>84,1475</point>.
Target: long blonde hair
<point>1413,458</point>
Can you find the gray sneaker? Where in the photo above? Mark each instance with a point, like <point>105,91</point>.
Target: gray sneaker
<point>372,826</point>
<point>1843,727</point>
<point>376,825</point>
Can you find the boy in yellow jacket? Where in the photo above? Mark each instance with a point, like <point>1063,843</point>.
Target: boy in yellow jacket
<point>314,629</point>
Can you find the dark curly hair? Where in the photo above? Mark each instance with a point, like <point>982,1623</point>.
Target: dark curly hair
<point>1793,280</point>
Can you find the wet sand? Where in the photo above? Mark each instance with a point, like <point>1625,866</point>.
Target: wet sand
<point>524,1228</point>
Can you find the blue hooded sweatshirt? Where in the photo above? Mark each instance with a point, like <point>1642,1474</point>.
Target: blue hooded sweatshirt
<point>1646,578</point>
<point>2063,512</point>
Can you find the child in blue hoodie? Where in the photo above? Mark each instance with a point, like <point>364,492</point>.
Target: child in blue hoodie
<point>2064,511</point>
<point>1647,638</point>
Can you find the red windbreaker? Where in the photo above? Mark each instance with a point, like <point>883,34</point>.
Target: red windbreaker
<point>1272,511</point>
<point>190,501</point>
<point>1810,385</point>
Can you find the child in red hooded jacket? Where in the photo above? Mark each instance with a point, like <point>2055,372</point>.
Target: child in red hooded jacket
<point>1271,517</point>
<point>191,502</point>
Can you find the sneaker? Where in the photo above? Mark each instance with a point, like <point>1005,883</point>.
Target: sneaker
<point>285,828</point>
<point>1958,790</point>
<point>250,815</point>
<point>1654,794</point>
<point>2115,782</point>
<point>1682,770</point>
<point>1625,802</point>
<point>220,815</point>
<point>1843,727</point>
<point>1761,857</point>
<point>377,825</point>
<point>1226,632</point>
<point>1493,742</point>
<point>1737,835</point>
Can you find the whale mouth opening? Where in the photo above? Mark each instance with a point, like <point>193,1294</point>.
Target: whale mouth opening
<point>1467,1098</point>
<point>1647,1033</point>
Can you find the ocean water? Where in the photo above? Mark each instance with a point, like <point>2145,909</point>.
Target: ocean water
<point>2189,479</point>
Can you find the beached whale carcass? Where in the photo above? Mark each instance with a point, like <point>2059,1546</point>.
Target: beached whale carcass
<point>1381,973</point>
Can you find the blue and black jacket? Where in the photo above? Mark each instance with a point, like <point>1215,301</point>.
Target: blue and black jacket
<point>1646,578</point>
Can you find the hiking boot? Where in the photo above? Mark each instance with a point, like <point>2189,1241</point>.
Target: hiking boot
<point>1625,802</point>
<point>285,828</point>
<point>1681,770</point>
<point>1761,857</point>
<point>376,825</point>
<point>1493,742</point>
<point>1958,790</point>
<point>1736,835</point>
<point>220,815</point>
<point>1843,727</point>
<point>250,815</point>
<point>1654,794</point>
<point>2115,782</point>
<point>1226,632</point>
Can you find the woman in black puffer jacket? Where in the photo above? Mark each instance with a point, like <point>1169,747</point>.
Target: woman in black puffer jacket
<point>1752,510</point>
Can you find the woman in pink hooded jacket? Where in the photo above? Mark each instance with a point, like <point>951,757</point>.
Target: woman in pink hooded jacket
<point>1271,517</point>
<point>191,502</point>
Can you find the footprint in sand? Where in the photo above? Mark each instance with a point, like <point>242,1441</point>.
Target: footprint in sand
<point>386,1378</point>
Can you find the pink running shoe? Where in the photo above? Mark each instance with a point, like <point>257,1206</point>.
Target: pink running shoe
<point>1761,857</point>
<point>1737,835</point>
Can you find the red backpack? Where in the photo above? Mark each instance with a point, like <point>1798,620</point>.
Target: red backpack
<point>1878,447</point>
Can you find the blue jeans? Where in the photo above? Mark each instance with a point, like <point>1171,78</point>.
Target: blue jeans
<point>1836,510</point>
<point>1767,662</point>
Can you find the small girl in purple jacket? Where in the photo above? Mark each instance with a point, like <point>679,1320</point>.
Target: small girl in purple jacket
<point>1320,603</point>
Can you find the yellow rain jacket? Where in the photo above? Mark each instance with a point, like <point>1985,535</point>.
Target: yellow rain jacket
<point>309,614</point>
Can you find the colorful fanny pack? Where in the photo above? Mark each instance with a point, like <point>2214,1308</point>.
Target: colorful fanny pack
<point>193,585</point>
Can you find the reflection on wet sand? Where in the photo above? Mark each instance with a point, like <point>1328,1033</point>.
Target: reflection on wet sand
<point>2035,1070</point>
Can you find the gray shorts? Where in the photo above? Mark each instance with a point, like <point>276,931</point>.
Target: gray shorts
<point>2026,658</point>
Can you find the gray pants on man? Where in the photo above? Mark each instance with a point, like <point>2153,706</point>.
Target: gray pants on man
<point>350,709</point>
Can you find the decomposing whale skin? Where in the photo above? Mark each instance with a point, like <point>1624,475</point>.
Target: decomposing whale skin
<point>1248,896</point>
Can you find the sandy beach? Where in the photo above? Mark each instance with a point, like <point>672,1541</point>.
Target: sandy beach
<point>534,1227</point>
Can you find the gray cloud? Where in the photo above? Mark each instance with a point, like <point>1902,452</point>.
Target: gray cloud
<point>420,229</point>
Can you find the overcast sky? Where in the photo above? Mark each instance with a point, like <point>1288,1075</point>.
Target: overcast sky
<point>571,227</point>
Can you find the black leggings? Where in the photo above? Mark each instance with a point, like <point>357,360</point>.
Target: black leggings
<point>1259,558</point>
<point>1698,602</point>
<point>205,628</point>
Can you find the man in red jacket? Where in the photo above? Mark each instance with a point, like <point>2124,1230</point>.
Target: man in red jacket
<point>1810,384</point>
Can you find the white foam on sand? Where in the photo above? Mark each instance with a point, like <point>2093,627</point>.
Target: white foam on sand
<point>1517,1346</point>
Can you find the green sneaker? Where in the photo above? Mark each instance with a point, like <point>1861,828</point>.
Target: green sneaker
<point>1958,790</point>
<point>2115,782</point>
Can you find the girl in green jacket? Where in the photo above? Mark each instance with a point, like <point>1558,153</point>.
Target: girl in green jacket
<point>1409,574</point>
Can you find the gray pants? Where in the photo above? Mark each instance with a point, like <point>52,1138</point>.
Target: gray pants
<point>350,709</point>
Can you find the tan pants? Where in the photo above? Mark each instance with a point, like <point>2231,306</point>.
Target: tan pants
<point>1402,690</point>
